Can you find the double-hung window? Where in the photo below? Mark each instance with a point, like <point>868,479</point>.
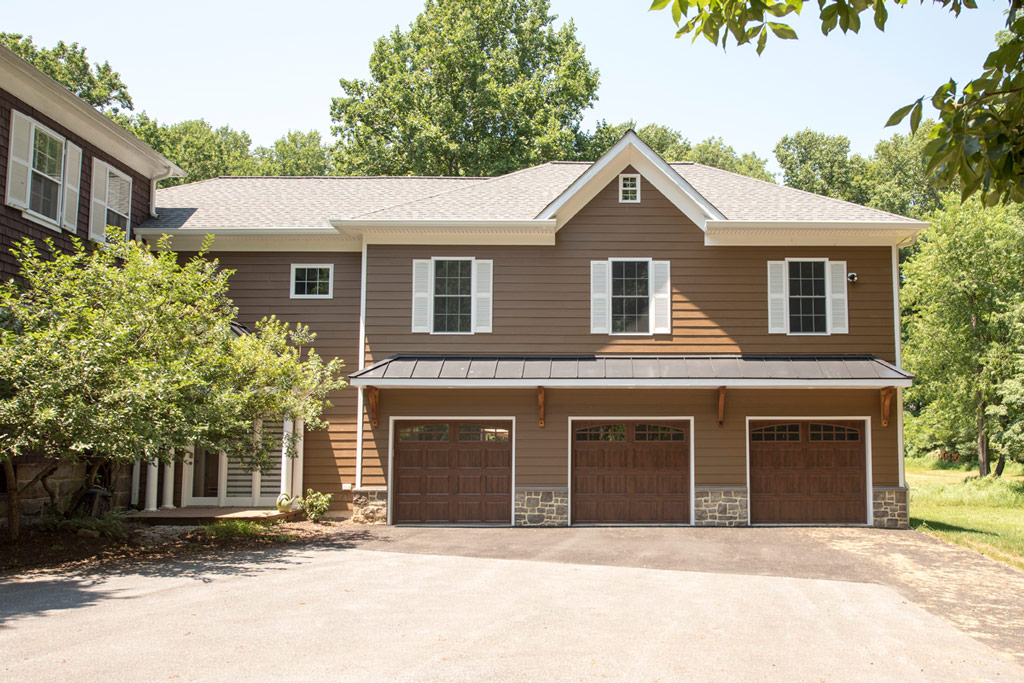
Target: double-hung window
<point>630,296</point>
<point>807,296</point>
<point>312,281</point>
<point>111,200</point>
<point>43,173</point>
<point>452,295</point>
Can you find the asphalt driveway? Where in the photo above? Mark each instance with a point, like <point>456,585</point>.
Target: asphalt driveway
<point>451,604</point>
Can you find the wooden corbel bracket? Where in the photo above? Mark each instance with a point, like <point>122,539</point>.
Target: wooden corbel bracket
<point>721,406</point>
<point>373,396</point>
<point>540,407</point>
<point>886,395</point>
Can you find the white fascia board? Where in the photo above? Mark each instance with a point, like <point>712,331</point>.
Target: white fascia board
<point>312,239</point>
<point>723,233</point>
<point>630,150</point>
<point>448,231</point>
<point>710,382</point>
<point>32,86</point>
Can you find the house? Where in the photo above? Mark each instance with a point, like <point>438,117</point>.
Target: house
<point>66,170</point>
<point>621,342</point>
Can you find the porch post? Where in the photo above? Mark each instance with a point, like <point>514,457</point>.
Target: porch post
<point>168,487</point>
<point>300,446</point>
<point>152,474</point>
<point>136,476</point>
<point>286,462</point>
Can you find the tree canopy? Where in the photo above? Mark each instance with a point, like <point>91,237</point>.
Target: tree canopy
<point>979,137</point>
<point>471,88</point>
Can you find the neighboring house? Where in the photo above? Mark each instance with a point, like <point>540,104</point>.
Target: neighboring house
<point>66,170</point>
<point>623,342</point>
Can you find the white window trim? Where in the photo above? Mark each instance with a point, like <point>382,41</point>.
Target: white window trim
<point>131,189</point>
<point>330,281</point>
<point>472,299</point>
<point>34,216</point>
<point>629,175</point>
<point>108,168</point>
<point>828,299</point>
<point>650,297</point>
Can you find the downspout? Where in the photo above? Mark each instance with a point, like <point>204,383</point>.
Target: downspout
<point>168,173</point>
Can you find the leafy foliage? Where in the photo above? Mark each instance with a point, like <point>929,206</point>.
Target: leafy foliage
<point>979,137</point>
<point>110,525</point>
<point>98,84</point>
<point>315,504</point>
<point>820,163</point>
<point>471,88</point>
<point>295,154</point>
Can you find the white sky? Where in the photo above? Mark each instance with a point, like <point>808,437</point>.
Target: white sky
<point>266,67</point>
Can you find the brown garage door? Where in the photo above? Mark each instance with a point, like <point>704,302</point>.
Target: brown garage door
<point>452,472</point>
<point>808,473</point>
<point>631,472</point>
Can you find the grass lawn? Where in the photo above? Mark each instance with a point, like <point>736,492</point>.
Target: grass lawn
<point>956,506</point>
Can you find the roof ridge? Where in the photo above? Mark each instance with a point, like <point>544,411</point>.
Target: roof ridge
<point>349,177</point>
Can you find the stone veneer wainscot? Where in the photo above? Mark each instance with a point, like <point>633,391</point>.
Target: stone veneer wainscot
<point>720,507</point>
<point>542,508</point>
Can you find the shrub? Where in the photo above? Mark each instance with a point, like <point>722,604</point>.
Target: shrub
<point>315,505</point>
<point>109,525</point>
<point>235,529</point>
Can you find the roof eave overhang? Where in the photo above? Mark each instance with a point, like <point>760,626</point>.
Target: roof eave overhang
<point>531,231</point>
<point>32,86</point>
<point>317,238</point>
<point>630,150</point>
<point>654,383</point>
<point>724,233</point>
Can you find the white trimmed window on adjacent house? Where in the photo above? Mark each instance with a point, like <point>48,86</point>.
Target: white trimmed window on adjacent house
<point>312,281</point>
<point>630,296</point>
<point>44,172</point>
<point>629,188</point>
<point>111,201</point>
<point>807,296</point>
<point>452,295</point>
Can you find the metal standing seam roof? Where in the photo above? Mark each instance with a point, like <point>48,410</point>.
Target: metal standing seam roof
<point>469,370</point>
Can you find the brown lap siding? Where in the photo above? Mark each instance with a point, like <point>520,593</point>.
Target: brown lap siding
<point>719,451</point>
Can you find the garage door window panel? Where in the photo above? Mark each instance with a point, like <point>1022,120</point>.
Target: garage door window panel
<point>427,432</point>
<point>475,432</point>
<point>608,432</point>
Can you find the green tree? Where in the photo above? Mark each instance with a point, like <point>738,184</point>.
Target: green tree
<point>714,152</point>
<point>295,154</point>
<point>472,88</point>
<point>962,288</point>
<point>122,353</point>
<point>979,137</point>
<point>822,164</point>
<point>899,180</point>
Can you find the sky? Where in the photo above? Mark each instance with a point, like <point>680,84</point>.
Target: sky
<point>267,67</point>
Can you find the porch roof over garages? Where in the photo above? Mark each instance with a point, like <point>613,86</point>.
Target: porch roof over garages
<point>591,371</point>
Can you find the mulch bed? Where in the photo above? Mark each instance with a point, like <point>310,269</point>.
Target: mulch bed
<point>38,549</point>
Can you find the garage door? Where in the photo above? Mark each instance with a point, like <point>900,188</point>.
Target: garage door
<point>631,472</point>
<point>808,473</point>
<point>452,472</point>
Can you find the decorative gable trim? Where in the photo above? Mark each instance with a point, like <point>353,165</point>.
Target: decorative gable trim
<point>630,150</point>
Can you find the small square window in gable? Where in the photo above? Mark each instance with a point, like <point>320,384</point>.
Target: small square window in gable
<point>629,188</point>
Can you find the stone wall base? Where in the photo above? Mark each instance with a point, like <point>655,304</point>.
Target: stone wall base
<point>64,482</point>
<point>542,508</point>
<point>890,508</point>
<point>720,507</point>
<point>370,507</point>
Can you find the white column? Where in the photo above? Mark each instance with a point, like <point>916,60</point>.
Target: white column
<point>136,477</point>
<point>300,427</point>
<point>168,487</point>
<point>152,473</point>
<point>286,462</point>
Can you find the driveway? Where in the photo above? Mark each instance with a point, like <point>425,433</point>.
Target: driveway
<point>458,604</point>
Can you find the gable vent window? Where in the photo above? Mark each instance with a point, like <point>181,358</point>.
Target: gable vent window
<point>452,295</point>
<point>807,297</point>
<point>629,188</point>
<point>111,201</point>
<point>43,174</point>
<point>630,296</point>
<point>312,281</point>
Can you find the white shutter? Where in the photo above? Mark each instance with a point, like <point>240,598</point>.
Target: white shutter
<point>422,271</point>
<point>483,294</point>
<point>19,163</point>
<point>662,318</point>
<point>98,202</point>
<point>600,310</point>
<point>777,297</point>
<point>72,183</point>
<point>839,319</point>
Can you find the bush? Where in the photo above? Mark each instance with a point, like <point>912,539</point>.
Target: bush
<point>109,525</point>
<point>234,529</point>
<point>315,505</point>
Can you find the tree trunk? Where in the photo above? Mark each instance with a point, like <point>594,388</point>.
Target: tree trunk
<point>983,468</point>
<point>1000,464</point>
<point>13,501</point>
<point>90,478</point>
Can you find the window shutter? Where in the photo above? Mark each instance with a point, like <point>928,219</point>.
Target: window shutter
<point>483,294</point>
<point>98,203</point>
<point>19,163</point>
<point>839,319</point>
<point>72,183</point>
<point>421,275</point>
<point>777,297</point>
<point>599,306</point>
<point>662,319</point>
